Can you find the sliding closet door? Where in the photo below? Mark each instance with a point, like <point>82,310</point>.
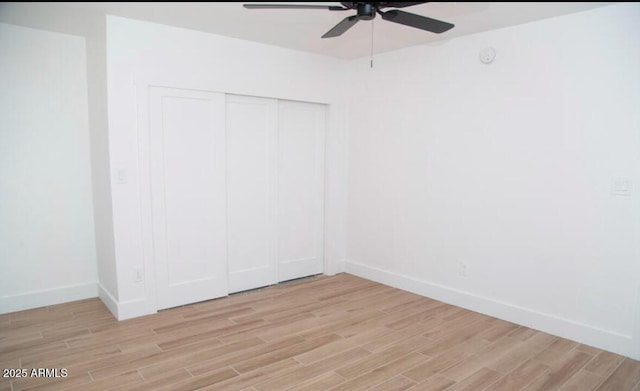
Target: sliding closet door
<point>252,125</point>
<point>300,189</point>
<point>187,163</point>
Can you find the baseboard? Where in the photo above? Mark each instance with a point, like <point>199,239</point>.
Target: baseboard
<point>109,301</point>
<point>636,324</point>
<point>64,294</point>
<point>126,309</point>
<point>134,308</point>
<point>335,267</point>
<point>562,327</point>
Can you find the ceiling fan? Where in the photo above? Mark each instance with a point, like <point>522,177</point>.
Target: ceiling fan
<point>368,11</point>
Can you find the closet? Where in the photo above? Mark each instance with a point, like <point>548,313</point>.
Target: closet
<point>237,189</point>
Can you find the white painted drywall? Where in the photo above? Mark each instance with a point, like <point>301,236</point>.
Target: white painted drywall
<point>91,24</point>
<point>100,170</point>
<point>47,244</point>
<point>140,54</point>
<point>506,167</point>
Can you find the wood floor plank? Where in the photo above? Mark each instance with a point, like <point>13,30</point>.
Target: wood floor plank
<point>555,352</point>
<point>403,304</point>
<point>522,333</point>
<point>604,363</point>
<point>320,383</point>
<point>347,293</point>
<point>314,370</point>
<point>178,340</point>
<point>121,379</point>
<point>340,332</point>
<point>398,301</point>
<point>97,339</point>
<point>68,356</point>
<point>8,341</point>
<point>153,383</point>
<point>487,356</point>
<point>284,353</point>
<point>520,353</point>
<point>237,356</point>
<point>561,370</point>
<point>40,383</point>
<point>398,383</point>
<point>470,345</point>
<point>426,317</point>
<point>208,349</point>
<point>258,375</point>
<point>276,314</point>
<point>7,363</point>
<point>368,294</point>
<point>380,374</point>
<point>625,377</point>
<point>119,363</point>
<point>477,381</point>
<point>450,336</point>
<point>211,316</point>
<point>200,382</point>
<point>582,381</point>
<point>395,337</point>
<point>220,355</point>
<point>433,383</point>
<point>291,326</point>
<point>368,324</point>
<point>336,327</point>
<point>436,365</point>
<point>378,359</point>
<point>32,349</point>
<point>343,344</point>
<point>520,377</point>
<point>498,331</point>
<point>199,321</point>
<point>588,349</point>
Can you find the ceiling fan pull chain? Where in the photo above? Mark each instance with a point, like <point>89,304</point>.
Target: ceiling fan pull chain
<point>371,60</point>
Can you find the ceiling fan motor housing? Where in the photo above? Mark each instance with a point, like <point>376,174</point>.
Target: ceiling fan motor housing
<point>366,11</point>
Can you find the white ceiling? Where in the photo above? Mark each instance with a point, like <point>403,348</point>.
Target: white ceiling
<point>299,29</point>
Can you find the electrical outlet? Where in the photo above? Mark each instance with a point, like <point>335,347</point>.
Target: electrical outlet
<point>121,176</point>
<point>462,269</point>
<point>138,275</point>
<point>621,186</point>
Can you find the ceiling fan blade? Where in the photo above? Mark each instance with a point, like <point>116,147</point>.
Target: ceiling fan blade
<point>417,21</point>
<point>399,4</point>
<point>294,6</point>
<point>341,27</point>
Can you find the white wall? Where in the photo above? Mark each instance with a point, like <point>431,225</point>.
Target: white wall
<point>91,24</point>
<point>100,170</point>
<point>506,167</point>
<point>47,245</point>
<point>141,54</point>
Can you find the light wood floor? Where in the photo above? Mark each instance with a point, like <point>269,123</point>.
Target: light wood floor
<point>327,333</point>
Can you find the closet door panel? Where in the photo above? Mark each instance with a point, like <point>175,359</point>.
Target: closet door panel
<point>300,189</point>
<point>187,163</point>
<point>251,188</point>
